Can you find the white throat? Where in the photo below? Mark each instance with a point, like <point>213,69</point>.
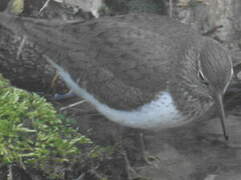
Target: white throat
<point>159,113</point>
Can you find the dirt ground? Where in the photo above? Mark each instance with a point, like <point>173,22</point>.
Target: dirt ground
<point>196,151</point>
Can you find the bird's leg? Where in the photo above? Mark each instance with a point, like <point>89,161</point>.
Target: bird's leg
<point>144,154</point>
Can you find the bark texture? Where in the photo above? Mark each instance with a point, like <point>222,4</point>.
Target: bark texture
<point>24,67</point>
<point>219,17</point>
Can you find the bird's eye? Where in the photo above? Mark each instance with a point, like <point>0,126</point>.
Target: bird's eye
<point>202,78</point>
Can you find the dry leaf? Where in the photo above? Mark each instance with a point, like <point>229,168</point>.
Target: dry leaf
<point>17,6</point>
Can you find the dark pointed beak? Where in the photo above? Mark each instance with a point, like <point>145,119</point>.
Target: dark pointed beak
<point>220,109</point>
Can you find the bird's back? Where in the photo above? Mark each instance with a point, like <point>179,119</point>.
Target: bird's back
<point>132,57</point>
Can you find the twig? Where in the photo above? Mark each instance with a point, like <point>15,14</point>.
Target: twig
<point>130,171</point>
<point>211,177</point>
<point>59,1</point>
<point>10,172</point>
<point>72,105</point>
<point>22,164</point>
<point>54,79</point>
<point>212,30</point>
<point>44,6</point>
<point>170,8</point>
<point>95,173</point>
<point>81,177</point>
<point>20,48</point>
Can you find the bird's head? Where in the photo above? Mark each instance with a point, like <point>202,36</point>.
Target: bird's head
<point>215,72</point>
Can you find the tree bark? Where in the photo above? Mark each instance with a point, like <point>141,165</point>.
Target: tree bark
<point>24,67</point>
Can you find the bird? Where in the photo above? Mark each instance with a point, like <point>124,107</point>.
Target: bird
<point>142,71</point>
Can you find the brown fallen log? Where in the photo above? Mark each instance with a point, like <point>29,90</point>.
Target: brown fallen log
<point>24,65</point>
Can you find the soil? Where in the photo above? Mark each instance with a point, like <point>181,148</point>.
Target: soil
<point>196,151</point>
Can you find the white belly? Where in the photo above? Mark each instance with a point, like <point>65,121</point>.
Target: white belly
<point>159,113</point>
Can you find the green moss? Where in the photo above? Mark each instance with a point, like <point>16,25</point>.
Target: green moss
<point>32,134</point>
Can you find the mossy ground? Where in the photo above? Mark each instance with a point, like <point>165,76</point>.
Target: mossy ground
<point>34,136</point>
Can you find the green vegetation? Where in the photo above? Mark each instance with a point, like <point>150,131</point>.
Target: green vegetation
<point>33,135</point>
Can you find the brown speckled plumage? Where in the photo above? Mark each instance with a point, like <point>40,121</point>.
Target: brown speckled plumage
<point>125,61</point>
